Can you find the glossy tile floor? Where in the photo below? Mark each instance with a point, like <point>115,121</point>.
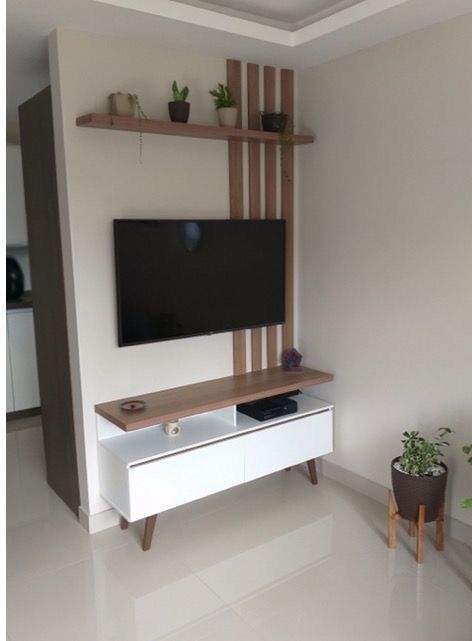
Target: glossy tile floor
<point>274,560</point>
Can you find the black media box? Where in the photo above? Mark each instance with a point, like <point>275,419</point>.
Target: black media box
<point>266,408</point>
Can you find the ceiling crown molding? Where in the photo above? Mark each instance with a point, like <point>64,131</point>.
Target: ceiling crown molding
<point>219,21</point>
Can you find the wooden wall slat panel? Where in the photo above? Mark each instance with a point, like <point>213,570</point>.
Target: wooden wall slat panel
<point>287,106</point>
<point>270,193</point>
<point>254,165</point>
<point>236,195</point>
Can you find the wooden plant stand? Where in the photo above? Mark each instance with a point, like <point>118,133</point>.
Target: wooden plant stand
<point>414,528</point>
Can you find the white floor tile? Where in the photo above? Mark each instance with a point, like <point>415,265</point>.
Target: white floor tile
<point>276,560</point>
<point>355,598</point>
<point>223,626</point>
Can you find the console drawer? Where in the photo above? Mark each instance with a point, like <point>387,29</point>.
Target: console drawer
<point>278,447</point>
<point>165,483</point>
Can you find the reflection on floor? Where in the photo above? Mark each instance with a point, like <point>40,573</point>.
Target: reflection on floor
<point>273,560</point>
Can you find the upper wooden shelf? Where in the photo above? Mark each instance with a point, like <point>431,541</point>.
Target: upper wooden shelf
<point>172,404</point>
<point>125,123</point>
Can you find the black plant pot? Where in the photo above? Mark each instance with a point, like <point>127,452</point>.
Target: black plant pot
<point>15,282</point>
<point>412,491</point>
<point>179,111</point>
<point>275,122</point>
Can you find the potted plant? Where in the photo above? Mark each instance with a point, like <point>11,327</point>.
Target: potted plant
<point>225,105</point>
<point>179,109</point>
<point>274,121</point>
<point>125,104</point>
<point>467,449</point>
<point>419,476</point>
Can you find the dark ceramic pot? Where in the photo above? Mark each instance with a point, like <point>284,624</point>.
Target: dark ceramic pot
<point>275,122</point>
<point>179,111</point>
<point>412,491</point>
<point>15,282</point>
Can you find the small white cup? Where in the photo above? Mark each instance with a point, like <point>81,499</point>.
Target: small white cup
<point>172,428</point>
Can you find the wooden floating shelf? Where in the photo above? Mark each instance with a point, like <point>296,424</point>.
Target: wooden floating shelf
<point>172,404</point>
<point>190,130</point>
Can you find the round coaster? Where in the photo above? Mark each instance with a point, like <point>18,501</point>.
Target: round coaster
<point>133,406</point>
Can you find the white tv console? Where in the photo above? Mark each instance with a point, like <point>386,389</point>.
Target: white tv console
<point>144,472</point>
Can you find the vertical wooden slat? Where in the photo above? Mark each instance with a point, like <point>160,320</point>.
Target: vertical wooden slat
<point>287,93</point>
<point>270,194</point>
<point>236,196</point>
<point>254,165</point>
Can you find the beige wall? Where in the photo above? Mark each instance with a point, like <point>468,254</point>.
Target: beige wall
<point>101,178</point>
<point>385,265</point>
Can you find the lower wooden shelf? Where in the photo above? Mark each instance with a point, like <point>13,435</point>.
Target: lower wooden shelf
<point>179,402</point>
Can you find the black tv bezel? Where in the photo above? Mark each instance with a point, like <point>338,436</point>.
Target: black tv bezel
<point>116,222</point>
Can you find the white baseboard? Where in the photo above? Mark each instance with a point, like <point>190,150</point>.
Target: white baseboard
<point>94,523</point>
<point>457,529</point>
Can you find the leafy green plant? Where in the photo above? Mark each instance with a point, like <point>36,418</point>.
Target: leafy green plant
<point>421,457</point>
<point>467,449</point>
<point>180,95</point>
<point>134,100</point>
<point>222,96</point>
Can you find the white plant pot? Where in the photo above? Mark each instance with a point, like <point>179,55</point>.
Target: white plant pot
<point>227,116</point>
<point>121,104</point>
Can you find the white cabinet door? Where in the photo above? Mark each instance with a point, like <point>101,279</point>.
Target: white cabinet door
<point>275,448</point>
<point>168,482</point>
<point>24,369</point>
<point>10,406</point>
<point>15,199</point>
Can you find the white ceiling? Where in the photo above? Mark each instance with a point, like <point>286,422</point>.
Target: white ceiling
<point>287,14</point>
<point>290,33</point>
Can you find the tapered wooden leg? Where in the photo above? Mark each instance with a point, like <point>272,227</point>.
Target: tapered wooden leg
<point>392,522</point>
<point>411,528</point>
<point>149,526</point>
<point>312,470</point>
<point>123,523</point>
<point>420,535</point>
<point>439,539</point>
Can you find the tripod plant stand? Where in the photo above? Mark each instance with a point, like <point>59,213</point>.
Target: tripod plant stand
<point>414,527</point>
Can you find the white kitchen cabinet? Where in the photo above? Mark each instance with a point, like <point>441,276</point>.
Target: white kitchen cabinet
<point>22,349</point>
<point>15,200</point>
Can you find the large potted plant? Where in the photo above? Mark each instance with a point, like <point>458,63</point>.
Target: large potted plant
<point>419,476</point>
<point>179,108</point>
<point>225,105</point>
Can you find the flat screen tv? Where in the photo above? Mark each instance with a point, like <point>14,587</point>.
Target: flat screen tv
<point>178,278</point>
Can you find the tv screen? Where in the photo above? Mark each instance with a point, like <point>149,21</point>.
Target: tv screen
<point>178,278</point>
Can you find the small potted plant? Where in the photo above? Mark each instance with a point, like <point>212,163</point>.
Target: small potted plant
<point>179,108</point>
<point>274,121</point>
<point>419,476</point>
<point>225,105</point>
<point>125,104</point>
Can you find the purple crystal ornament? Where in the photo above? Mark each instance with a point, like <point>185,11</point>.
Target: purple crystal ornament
<point>291,359</point>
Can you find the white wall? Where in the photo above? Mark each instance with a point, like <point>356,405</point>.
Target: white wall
<point>101,178</point>
<point>386,245</point>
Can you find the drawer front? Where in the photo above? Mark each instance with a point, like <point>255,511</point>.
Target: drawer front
<point>281,446</point>
<point>166,483</point>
